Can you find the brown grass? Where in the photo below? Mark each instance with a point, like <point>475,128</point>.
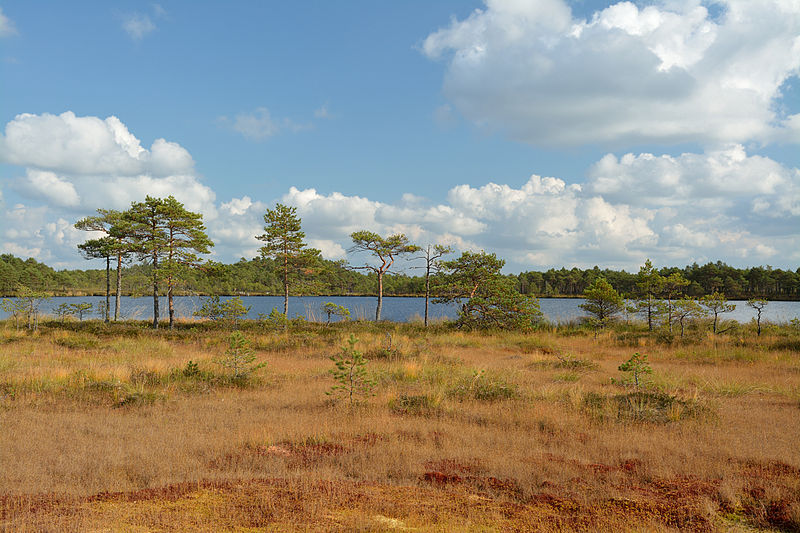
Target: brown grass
<point>101,430</point>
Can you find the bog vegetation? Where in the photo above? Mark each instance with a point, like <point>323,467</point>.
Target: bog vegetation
<point>654,412</point>
<point>362,425</point>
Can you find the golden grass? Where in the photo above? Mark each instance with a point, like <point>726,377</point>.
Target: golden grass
<point>102,430</point>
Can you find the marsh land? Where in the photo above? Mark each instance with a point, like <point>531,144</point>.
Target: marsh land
<point>115,427</point>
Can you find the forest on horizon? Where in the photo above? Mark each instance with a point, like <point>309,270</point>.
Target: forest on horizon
<point>259,277</point>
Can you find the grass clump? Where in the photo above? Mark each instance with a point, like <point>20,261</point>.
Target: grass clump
<point>416,404</point>
<point>483,387</point>
<point>78,342</point>
<point>570,362</point>
<point>640,406</point>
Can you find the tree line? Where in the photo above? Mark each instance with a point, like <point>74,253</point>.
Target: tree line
<point>735,283</point>
<point>164,239</point>
<point>258,276</point>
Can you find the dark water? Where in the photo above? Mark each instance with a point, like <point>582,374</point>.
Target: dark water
<point>394,308</point>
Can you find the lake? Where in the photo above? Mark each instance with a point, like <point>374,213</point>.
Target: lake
<point>394,308</point>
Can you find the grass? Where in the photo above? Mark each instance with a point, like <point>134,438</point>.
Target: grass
<point>116,427</point>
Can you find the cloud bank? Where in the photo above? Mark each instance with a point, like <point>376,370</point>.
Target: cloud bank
<point>721,204</point>
<point>666,73</point>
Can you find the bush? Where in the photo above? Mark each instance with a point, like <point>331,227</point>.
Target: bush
<point>351,373</point>
<point>636,370</point>
<point>239,358</point>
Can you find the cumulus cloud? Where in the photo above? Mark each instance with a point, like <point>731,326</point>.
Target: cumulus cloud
<point>7,27</point>
<point>73,165</point>
<point>323,112</point>
<point>675,209</point>
<point>87,145</point>
<point>725,181</point>
<point>51,188</point>
<point>669,72</point>
<point>544,214</point>
<point>721,204</point>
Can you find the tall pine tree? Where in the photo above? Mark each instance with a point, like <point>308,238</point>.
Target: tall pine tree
<point>116,243</point>
<point>168,236</point>
<point>283,238</point>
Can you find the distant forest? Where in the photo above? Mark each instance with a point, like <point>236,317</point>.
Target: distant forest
<point>259,276</point>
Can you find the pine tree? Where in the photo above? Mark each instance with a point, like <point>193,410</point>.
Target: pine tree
<point>716,304</point>
<point>386,250</point>
<point>433,255</point>
<point>649,284</point>
<point>603,302</point>
<point>116,243</point>
<point>488,298</point>
<point>167,235</point>
<point>147,230</point>
<point>351,373</point>
<point>185,237</point>
<point>284,243</point>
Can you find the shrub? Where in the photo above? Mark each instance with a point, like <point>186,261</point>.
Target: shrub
<point>331,309</point>
<point>239,358</point>
<point>274,321</point>
<point>636,369</point>
<point>351,373</point>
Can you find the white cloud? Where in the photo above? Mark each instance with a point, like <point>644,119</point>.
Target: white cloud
<point>51,188</point>
<point>237,206</point>
<point>159,11</point>
<point>668,72</point>
<point>329,249</point>
<point>715,181</point>
<point>7,27</point>
<point>74,165</point>
<point>88,162</point>
<point>70,144</point>
<point>137,25</point>
<point>722,204</point>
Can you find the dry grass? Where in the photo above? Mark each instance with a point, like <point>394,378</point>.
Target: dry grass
<point>103,430</point>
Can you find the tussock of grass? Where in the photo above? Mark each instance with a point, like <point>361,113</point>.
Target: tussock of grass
<point>78,342</point>
<point>640,406</point>
<point>416,404</point>
<point>482,387</point>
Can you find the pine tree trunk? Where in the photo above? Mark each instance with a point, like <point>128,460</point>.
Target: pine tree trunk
<point>286,286</point>
<point>380,297</point>
<point>171,303</point>
<point>427,292</point>
<point>118,295</point>
<point>155,290</point>
<point>108,289</point>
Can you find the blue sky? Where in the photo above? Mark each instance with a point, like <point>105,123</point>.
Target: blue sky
<point>550,132</point>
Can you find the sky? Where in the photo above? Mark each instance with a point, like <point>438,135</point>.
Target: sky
<point>550,132</point>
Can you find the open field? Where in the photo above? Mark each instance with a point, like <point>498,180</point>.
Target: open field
<point>108,428</point>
